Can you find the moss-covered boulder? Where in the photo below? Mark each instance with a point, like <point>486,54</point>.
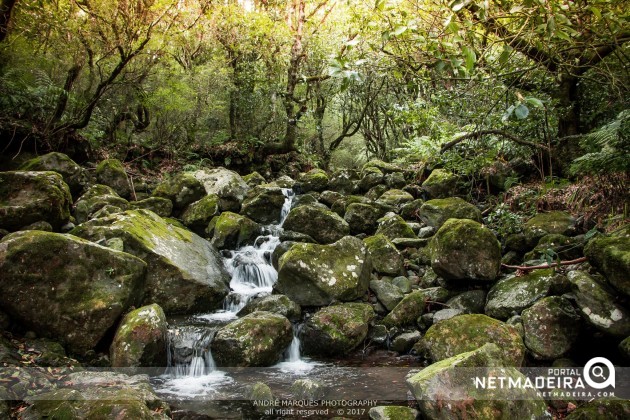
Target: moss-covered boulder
<point>413,305</point>
<point>392,412</point>
<point>467,332</point>
<point>566,248</point>
<point>553,222</point>
<point>445,390</point>
<point>469,302</point>
<point>258,339</point>
<point>228,185</point>
<point>277,304</point>
<point>611,256</point>
<point>198,215</point>
<point>140,339</point>
<point>182,189</point>
<point>330,197</point>
<point>385,167</point>
<point>393,226</point>
<point>336,330</point>
<point>395,198</point>
<point>344,181</point>
<point>29,197</point>
<point>66,288</point>
<point>313,180</point>
<point>370,178</point>
<point>340,206</point>
<point>598,306</point>
<point>440,184</point>
<point>264,205</point>
<point>163,207</point>
<point>624,348</point>
<point>386,293</point>
<point>317,275</point>
<point>386,259</point>
<point>254,179</point>
<point>185,273</point>
<point>72,173</point>
<point>511,295</point>
<point>551,327</point>
<point>98,395</point>
<point>94,199</point>
<point>464,249</point>
<point>319,223</point>
<point>111,172</point>
<point>411,210</point>
<point>363,218</point>
<point>231,230</point>
<point>603,409</point>
<point>435,212</point>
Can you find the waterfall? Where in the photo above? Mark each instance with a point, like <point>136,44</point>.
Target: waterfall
<point>188,351</point>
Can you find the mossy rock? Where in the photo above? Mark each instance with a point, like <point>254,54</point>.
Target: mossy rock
<point>277,304</point>
<point>317,275</point>
<point>386,293</point>
<point>440,184</point>
<point>313,180</point>
<point>228,185</point>
<point>598,305</point>
<point>463,249</point>
<point>404,342</point>
<point>435,212</point>
<point>566,248</point>
<point>72,173</point>
<point>258,339</point>
<point>330,197</point>
<point>384,167</point>
<point>396,180</point>
<point>413,305</point>
<point>395,198</point>
<point>198,215</point>
<point>96,198</point>
<point>470,302</point>
<point>392,412</point>
<point>411,210</point>
<point>140,339</point>
<point>363,218</point>
<point>308,390</point>
<point>467,332</point>
<point>370,178</point>
<point>185,273</point>
<point>231,230</point>
<point>182,189</point>
<point>163,207</point>
<point>254,179</point>
<point>551,327</point>
<point>386,259</point>
<point>393,226</point>
<point>554,222</point>
<point>29,197</point>
<point>445,390</point>
<point>511,295</point>
<point>66,288</point>
<point>264,205</point>
<point>611,257</point>
<point>111,172</point>
<point>340,206</point>
<point>336,330</point>
<point>319,223</point>
<point>344,181</point>
<point>375,192</point>
<point>603,409</point>
<point>624,348</point>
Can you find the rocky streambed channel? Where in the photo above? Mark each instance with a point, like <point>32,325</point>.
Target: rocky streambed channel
<point>356,294</point>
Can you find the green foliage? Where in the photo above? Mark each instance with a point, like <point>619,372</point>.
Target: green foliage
<point>503,221</point>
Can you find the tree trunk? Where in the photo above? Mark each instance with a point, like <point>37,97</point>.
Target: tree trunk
<point>6,6</point>
<point>569,119</point>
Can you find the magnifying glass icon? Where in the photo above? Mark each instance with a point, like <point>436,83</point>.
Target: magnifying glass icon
<point>598,372</point>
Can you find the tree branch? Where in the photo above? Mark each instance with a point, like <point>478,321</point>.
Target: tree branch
<point>481,133</point>
<point>539,267</point>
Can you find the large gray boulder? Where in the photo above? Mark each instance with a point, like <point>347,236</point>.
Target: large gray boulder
<point>363,218</point>
<point>264,205</point>
<point>29,197</point>
<point>231,231</point>
<point>198,215</point>
<point>317,275</point>
<point>72,173</point>
<point>228,185</point>
<point>386,259</point>
<point>182,189</point>
<point>313,180</point>
<point>440,184</point>
<point>463,249</point>
<point>111,172</point>
<point>435,212</point>
<point>96,198</point>
<point>67,288</point>
<point>185,273</point>
<point>319,223</point>
<point>611,256</point>
<point>258,339</point>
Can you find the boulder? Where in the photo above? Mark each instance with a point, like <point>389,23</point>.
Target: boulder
<point>363,218</point>
<point>470,302</point>
<point>140,339</point>
<point>551,327</point>
<point>411,210</point>
<point>185,273</point>
<point>392,412</point>
<point>411,307</point>
<point>163,207</point>
<point>556,222</point>
<point>385,257</point>
<point>467,332</point>
<point>440,184</point>
<point>370,178</point>
<point>330,197</point>
<point>258,339</point>
<point>317,275</point>
<point>29,197</point>
<point>72,173</point>
<point>340,206</point>
<point>611,257</point>
<point>111,172</point>
<point>96,198</point>
<point>264,205</point>
<point>386,293</point>
<point>231,231</point>
<point>395,198</point>
<point>336,330</point>
<point>463,249</point>
<point>313,180</point>
<point>395,180</point>
<point>375,192</point>
<point>254,179</point>
<point>435,212</point>
<point>598,306</point>
<point>198,215</point>
<point>385,167</point>
<point>404,342</point>
<point>601,409</point>
<point>393,226</point>
<point>182,189</point>
<point>321,224</point>
<point>511,295</point>
<point>343,181</point>
<point>444,390</point>
<point>566,248</point>
<point>228,185</point>
<point>277,304</point>
<point>66,288</point>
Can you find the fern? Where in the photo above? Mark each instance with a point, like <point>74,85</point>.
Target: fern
<point>607,149</point>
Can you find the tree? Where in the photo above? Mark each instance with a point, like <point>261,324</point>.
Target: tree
<point>6,6</point>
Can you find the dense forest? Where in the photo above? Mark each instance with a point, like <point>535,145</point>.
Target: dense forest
<point>465,163</point>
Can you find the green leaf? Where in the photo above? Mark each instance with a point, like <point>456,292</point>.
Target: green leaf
<point>595,11</point>
<point>457,5</point>
<point>469,57</point>
<point>505,55</point>
<point>521,111</point>
<point>399,30</point>
<point>535,102</point>
<point>379,5</point>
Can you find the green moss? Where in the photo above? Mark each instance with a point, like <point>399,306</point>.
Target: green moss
<point>558,222</point>
<point>440,184</point>
<point>511,295</point>
<point>603,409</point>
<point>198,214</point>
<point>394,227</point>
<point>232,230</point>
<point>395,197</point>
<point>611,256</point>
<point>437,211</point>
<point>385,257</point>
<point>319,223</point>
